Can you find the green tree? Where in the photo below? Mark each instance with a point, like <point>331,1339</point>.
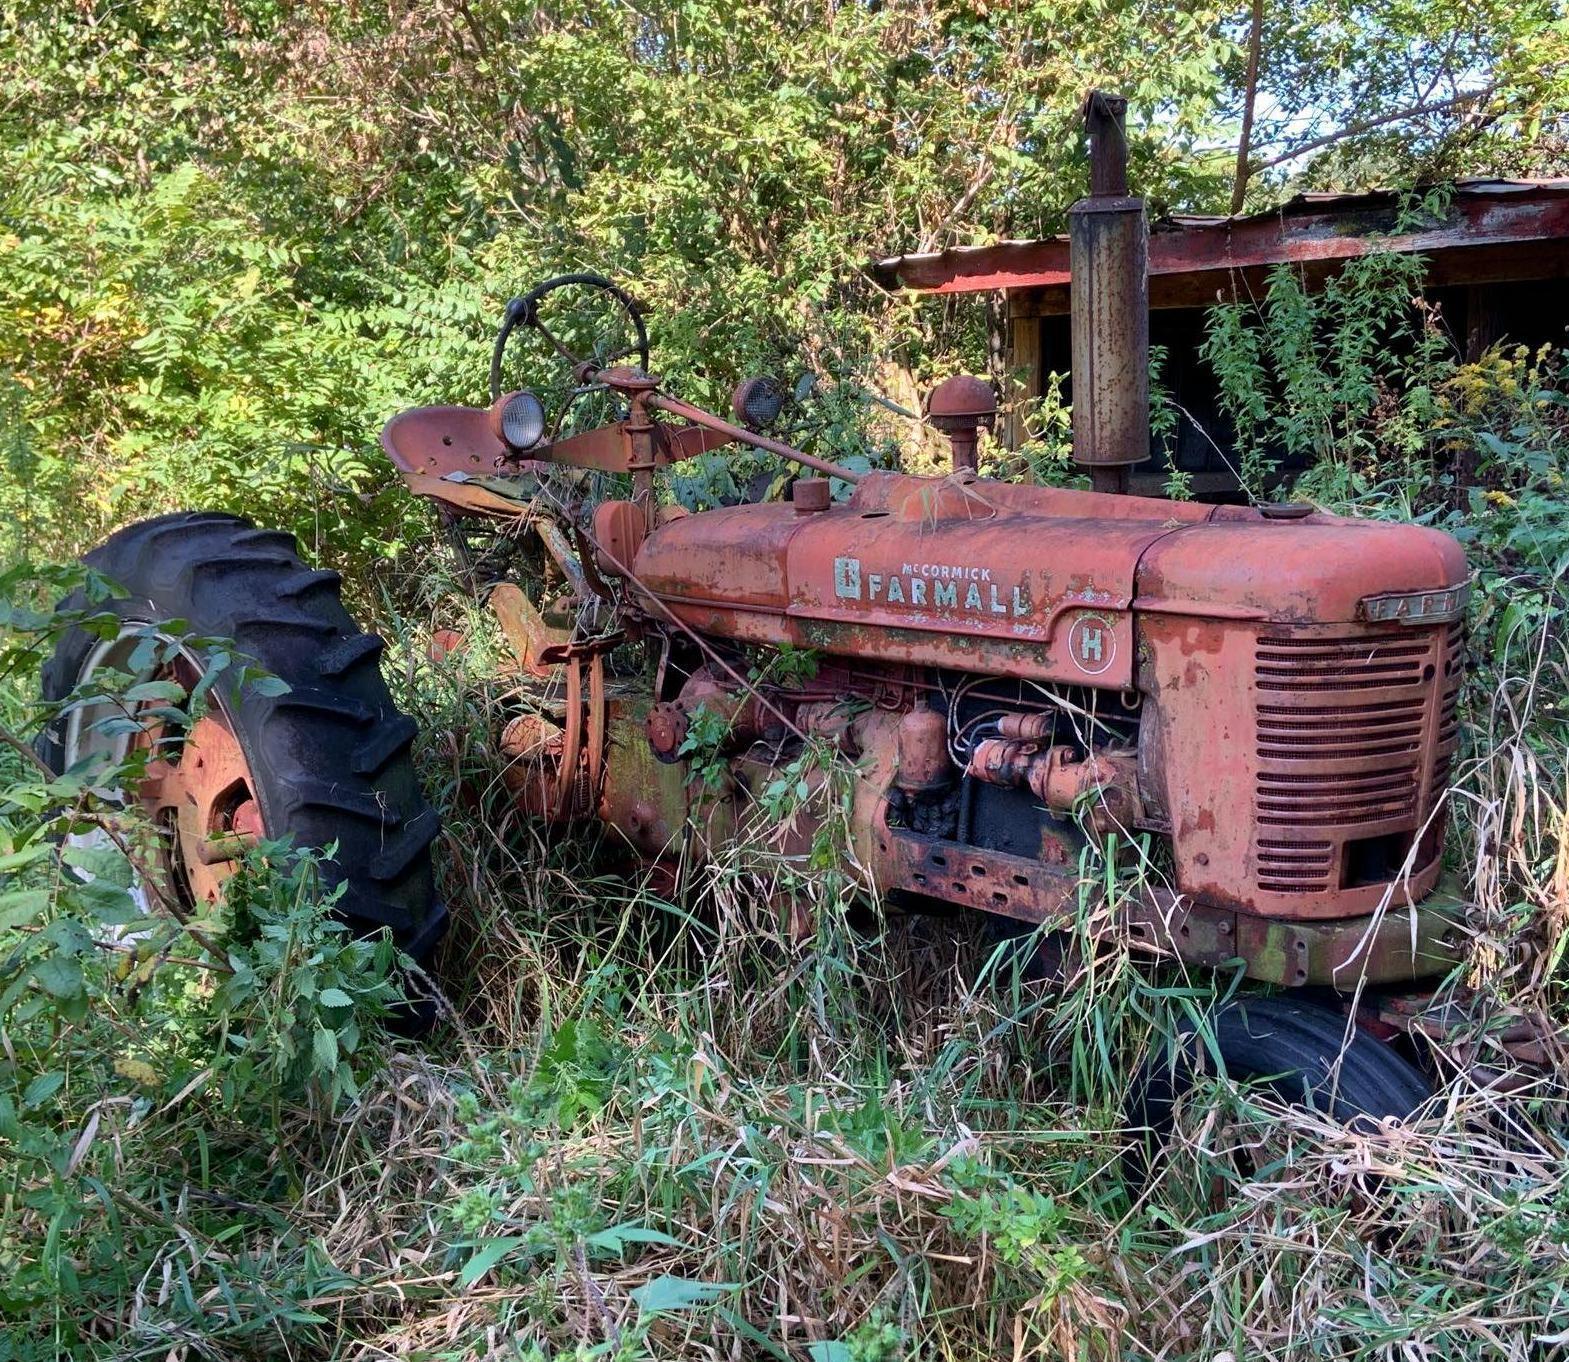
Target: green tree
<point>1347,96</point>
<point>235,238</point>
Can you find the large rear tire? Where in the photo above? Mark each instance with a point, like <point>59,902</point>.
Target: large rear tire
<point>326,764</point>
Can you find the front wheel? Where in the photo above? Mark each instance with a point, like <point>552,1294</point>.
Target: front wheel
<point>1308,1055</point>
<point>326,764</point>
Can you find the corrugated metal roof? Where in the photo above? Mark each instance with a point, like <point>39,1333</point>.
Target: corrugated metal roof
<point>1313,226</point>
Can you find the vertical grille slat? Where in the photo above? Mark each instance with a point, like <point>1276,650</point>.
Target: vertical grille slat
<point>1449,705</point>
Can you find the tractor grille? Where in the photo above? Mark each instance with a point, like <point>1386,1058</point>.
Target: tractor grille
<point>1354,735</point>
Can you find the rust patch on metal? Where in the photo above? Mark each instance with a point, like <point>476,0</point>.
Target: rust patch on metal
<point>991,881</point>
<point>1396,946</point>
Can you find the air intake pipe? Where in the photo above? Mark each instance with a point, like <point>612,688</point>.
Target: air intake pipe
<point>1108,261</point>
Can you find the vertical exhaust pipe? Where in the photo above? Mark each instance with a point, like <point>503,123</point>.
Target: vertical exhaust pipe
<point>1108,262</point>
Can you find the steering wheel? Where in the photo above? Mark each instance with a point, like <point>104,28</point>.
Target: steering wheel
<point>525,311</point>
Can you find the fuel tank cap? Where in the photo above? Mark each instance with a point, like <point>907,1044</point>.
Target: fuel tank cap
<point>810,495</point>
<point>1285,510</point>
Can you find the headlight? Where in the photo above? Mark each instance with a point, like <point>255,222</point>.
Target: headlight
<point>518,420</point>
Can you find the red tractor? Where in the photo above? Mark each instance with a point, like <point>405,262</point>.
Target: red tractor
<point>1017,673</point>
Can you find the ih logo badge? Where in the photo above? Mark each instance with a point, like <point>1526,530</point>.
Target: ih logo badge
<point>847,578</point>
<point>1093,643</point>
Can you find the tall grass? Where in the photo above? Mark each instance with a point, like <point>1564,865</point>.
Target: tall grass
<point>684,1131</point>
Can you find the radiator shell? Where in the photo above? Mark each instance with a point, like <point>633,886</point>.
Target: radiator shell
<point>1301,768</point>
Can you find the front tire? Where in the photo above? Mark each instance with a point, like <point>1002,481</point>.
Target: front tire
<point>1298,1050</point>
<point>328,763</point>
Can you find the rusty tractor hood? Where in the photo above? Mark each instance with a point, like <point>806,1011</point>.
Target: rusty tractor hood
<point>1314,570</point>
<point>1024,581</point>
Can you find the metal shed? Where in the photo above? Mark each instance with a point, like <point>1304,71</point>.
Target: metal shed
<point>1497,266</point>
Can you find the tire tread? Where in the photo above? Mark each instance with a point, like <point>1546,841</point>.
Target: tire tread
<point>332,756</point>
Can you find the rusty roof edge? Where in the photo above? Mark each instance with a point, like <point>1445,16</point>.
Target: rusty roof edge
<point>887,271</point>
<point>1317,200</point>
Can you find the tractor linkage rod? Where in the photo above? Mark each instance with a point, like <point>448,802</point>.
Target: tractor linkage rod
<point>698,417</point>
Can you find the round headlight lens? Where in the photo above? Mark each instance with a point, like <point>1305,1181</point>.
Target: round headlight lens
<point>522,420</point>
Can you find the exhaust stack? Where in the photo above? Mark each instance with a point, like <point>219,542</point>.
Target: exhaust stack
<point>1108,255</point>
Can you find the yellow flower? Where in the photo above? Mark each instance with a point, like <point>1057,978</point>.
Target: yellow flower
<point>137,1070</point>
